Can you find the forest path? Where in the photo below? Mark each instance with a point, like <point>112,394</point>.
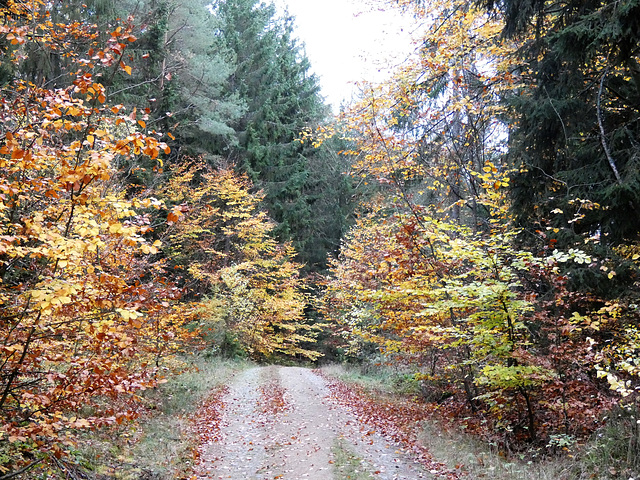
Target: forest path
<point>281,423</point>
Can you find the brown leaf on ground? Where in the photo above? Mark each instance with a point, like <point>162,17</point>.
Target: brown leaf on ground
<point>399,420</point>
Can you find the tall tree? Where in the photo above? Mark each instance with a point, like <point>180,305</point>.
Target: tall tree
<point>431,274</point>
<point>180,75</point>
<point>575,136</point>
<point>272,77</point>
<point>84,313</point>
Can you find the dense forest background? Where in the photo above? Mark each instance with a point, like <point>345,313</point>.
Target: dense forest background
<point>172,180</point>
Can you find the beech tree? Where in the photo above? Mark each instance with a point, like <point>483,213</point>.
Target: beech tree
<point>251,286</point>
<point>86,313</point>
<point>433,275</point>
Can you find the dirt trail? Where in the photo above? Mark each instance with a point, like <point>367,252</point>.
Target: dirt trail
<point>298,438</point>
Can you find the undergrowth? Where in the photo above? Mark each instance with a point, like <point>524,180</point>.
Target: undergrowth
<point>612,453</point>
<point>378,378</point>
<point>160,445</point>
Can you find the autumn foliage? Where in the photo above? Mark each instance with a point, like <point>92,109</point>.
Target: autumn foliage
<point>434,275</point>
<point>87,311</point>
<point>222,241</point>
<point>93,296</point>
<point>81,302</point>
<point>116,252</point>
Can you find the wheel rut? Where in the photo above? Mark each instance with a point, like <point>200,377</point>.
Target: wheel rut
<point>281,423</point>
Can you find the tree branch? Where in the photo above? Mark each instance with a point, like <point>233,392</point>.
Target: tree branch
<point>21,471</point>
<point>603,138</point>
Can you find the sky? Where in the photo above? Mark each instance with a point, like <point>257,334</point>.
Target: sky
<point>347,42</point>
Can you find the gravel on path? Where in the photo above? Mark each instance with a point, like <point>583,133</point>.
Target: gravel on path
<point>295,435</point>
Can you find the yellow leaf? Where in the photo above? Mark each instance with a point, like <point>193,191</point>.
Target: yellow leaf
<point>146,248</point>
<point>128,314</point>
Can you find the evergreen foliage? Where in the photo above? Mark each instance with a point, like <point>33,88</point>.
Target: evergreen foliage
<point>272,77</point>
<point>181,75</point>
<point>575,139</point>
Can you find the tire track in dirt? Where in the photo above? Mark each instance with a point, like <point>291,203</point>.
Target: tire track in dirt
<point>295,440</point>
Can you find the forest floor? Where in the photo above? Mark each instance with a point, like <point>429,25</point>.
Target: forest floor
<point>286,423</point>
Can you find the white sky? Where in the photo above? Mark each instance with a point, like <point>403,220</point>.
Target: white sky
<point>347,42</point>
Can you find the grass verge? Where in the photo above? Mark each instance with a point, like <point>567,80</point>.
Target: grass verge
<point>379,379</point>
<point>161,444</point>
<point>612,454</point>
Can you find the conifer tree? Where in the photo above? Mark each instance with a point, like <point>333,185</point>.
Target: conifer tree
<point>576,134</point>
<point>272,77</point>
<point>181,75</point>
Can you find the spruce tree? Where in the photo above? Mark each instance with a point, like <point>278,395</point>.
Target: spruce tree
<point>576,134</point>
<point>181,72</point>
<point>272,77</point>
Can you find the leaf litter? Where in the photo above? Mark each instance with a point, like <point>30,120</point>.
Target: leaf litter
<point>284,422</point>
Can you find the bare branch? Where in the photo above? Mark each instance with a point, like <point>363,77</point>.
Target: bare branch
<point>21,471</point>
<point>603,137</point>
